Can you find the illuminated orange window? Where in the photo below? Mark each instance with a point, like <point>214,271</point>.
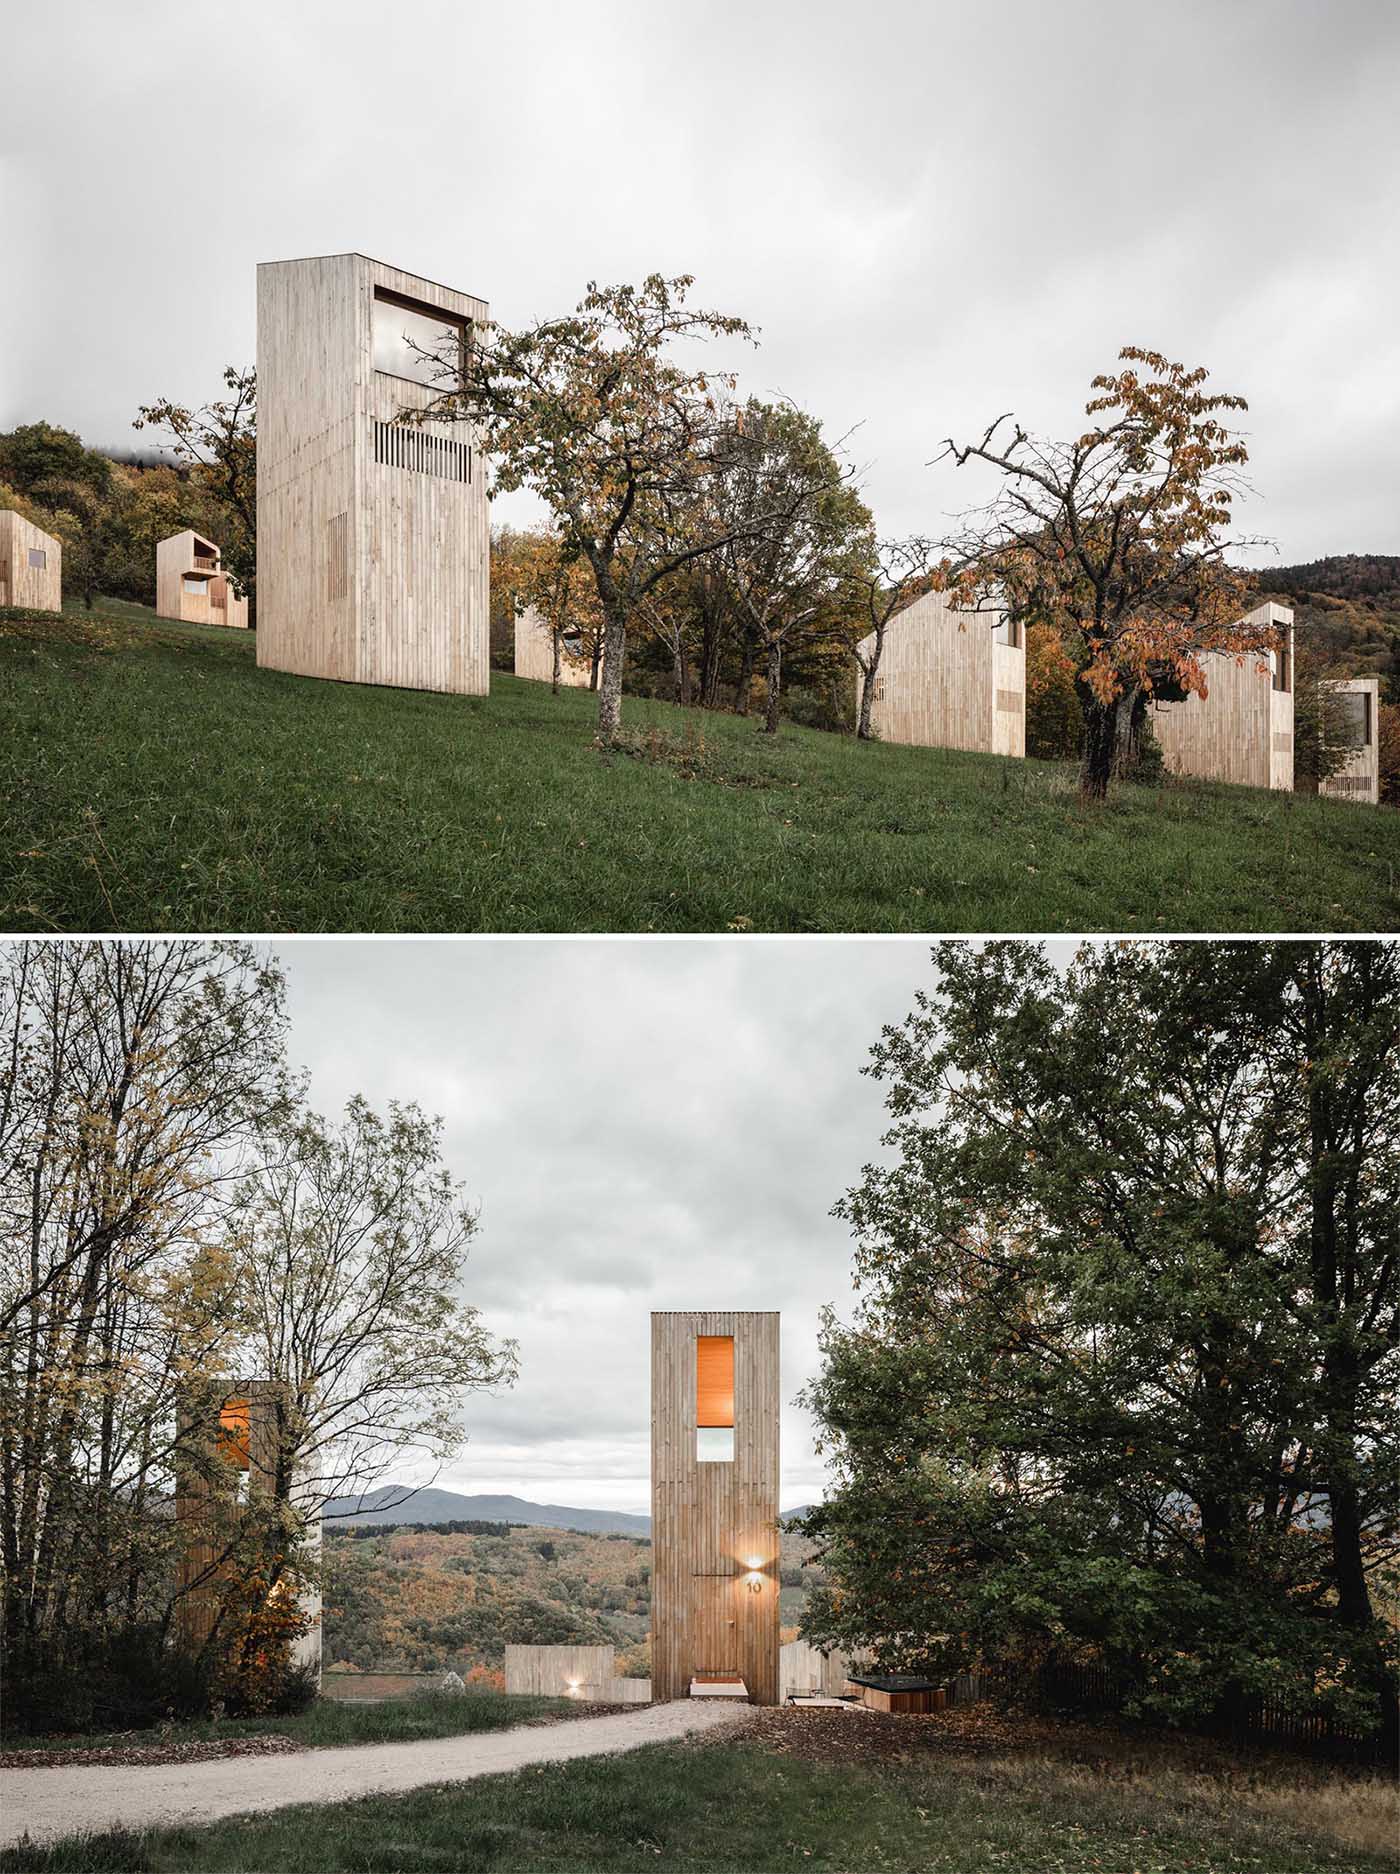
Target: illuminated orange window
<point>714,1398</point>
<point>233,1432</point>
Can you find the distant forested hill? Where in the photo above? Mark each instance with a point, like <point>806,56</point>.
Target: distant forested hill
<point>421,1600</point>
<point>1350,604</point>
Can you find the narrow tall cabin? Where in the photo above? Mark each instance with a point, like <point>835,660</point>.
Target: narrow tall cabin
<point>227,1455</point>
<point>1242,728</point>
<point>1360,779</point>
<point>373,538</point>
<point>191,584</point>
<point>714,1506</point>
<point>951,677</point>
<point>31,565</point>
<point>534,652</point>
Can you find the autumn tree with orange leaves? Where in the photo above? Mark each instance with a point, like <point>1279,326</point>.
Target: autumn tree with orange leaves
<point>1118,540</point>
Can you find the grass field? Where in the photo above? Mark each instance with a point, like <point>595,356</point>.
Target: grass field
<point>727,1808</point>
<point>329,1721</point>
<point>153,779</point>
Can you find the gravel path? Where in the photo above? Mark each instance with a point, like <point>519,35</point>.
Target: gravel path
<point>68,1801</point>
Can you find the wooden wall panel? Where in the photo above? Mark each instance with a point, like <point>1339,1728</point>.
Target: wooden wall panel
<point>34,588</point>
<point>713,1524</point>
<point>534,654</point>
<point>1360,779</point>
<point>1242,729</point>
<point>945,681</point>
<point>369,570</point>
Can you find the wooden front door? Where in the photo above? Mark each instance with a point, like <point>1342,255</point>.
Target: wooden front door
<point>716,1623</point>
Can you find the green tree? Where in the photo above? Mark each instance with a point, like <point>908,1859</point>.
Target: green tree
<point>1125,1368</point>
<point>594,412</point>
<point>217,446</point>
<point>1117,538</point>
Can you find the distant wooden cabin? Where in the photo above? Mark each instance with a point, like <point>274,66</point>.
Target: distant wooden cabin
<point>227,1455</point>
<point>191,583</point>
<point>950,678</point>
<point>534,652</point>
<point>1242,729</point>
<point>31,565</point>
<point>1360,779</point>
<point>373,550</point>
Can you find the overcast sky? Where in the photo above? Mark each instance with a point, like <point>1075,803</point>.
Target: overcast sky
<point>645,1124</point>
<point>934,211</point>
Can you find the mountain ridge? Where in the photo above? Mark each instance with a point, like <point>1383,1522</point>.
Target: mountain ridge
<point>400,1503</point>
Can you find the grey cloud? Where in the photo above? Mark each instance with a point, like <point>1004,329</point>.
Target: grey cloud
<point>934,212</point>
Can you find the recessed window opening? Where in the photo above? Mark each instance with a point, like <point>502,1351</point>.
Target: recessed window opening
<point>1283,667</point>
<point>420,343</point>
<point>1008,631</point>
<point>1356,718</point>
<point>234,1420</point>
<point>194,583</point>
<point>38,556</point>
<point>714,1398</point>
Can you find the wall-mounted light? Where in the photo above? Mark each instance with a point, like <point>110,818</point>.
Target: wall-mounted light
<point>573,1685</point>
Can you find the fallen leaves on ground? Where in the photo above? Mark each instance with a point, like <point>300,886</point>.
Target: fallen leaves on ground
<point>270,1744</point>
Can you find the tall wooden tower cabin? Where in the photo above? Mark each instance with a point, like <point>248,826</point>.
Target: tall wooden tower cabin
<point>228,1454</point>
<point>714,1506</point>
<point>373,535</point>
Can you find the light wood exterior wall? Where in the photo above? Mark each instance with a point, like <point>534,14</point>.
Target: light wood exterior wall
<point>587,1672</point>
<point>713,1525</point>
<point>1360,779</point>
<point>188,554</point>
<point>202,1477</point>
<point>369,571</point>
<point>805,1668</point>
<point>946,680</point>
<point>35,588</point>
<point>534,653</point>
<point>1242,729</point>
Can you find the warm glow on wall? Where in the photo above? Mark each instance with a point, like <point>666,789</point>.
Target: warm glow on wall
<point>714,1379</point>
<point>233,1432</point>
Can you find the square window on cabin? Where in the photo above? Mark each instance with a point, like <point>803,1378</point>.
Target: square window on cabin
<point>38,557</point>
<point>417,343</point>
<point>193,583</point>
<point>714,1398</point>
<point>1008,631</point>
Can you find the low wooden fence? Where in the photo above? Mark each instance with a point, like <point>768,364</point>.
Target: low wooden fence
<point>586,1672</point>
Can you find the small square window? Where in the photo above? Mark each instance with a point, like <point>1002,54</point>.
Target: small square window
<point>714,1444</point>
<point>38,557</point>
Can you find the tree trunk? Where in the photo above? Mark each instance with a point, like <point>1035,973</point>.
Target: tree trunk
<point>1100,747</point>
<point>868,673</point>
<point>681,671</point>
<point>774,674</point>
<point>711,649</point>
<point>558,660</point>
<point>610,689</point>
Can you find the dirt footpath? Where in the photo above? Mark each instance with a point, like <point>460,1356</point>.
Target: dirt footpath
<point>58,1801</point>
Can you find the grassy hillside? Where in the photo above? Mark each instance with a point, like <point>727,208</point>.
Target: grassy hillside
<point>425,1599</point>
<point>154,780</point>
<point>771,1803</point>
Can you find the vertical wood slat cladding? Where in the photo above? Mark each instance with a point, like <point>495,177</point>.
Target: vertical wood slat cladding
<point>946,681</point>
<point>1242,729</point>
<point>712,1523</point>
<point>216,604</point>
<point>412,609</point>
<point>1360,779</point>
<point>35,588</point>
<point>534,654</point>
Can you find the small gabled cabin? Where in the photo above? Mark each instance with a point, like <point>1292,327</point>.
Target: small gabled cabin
<point>714,1506</point>
<point>534,652</point>
<point>31,565</point>
<point>1360,779</point>
<point>191,584</point>
<point>373,549</point>
<point>1242,728</point>
<point>950,677</point>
